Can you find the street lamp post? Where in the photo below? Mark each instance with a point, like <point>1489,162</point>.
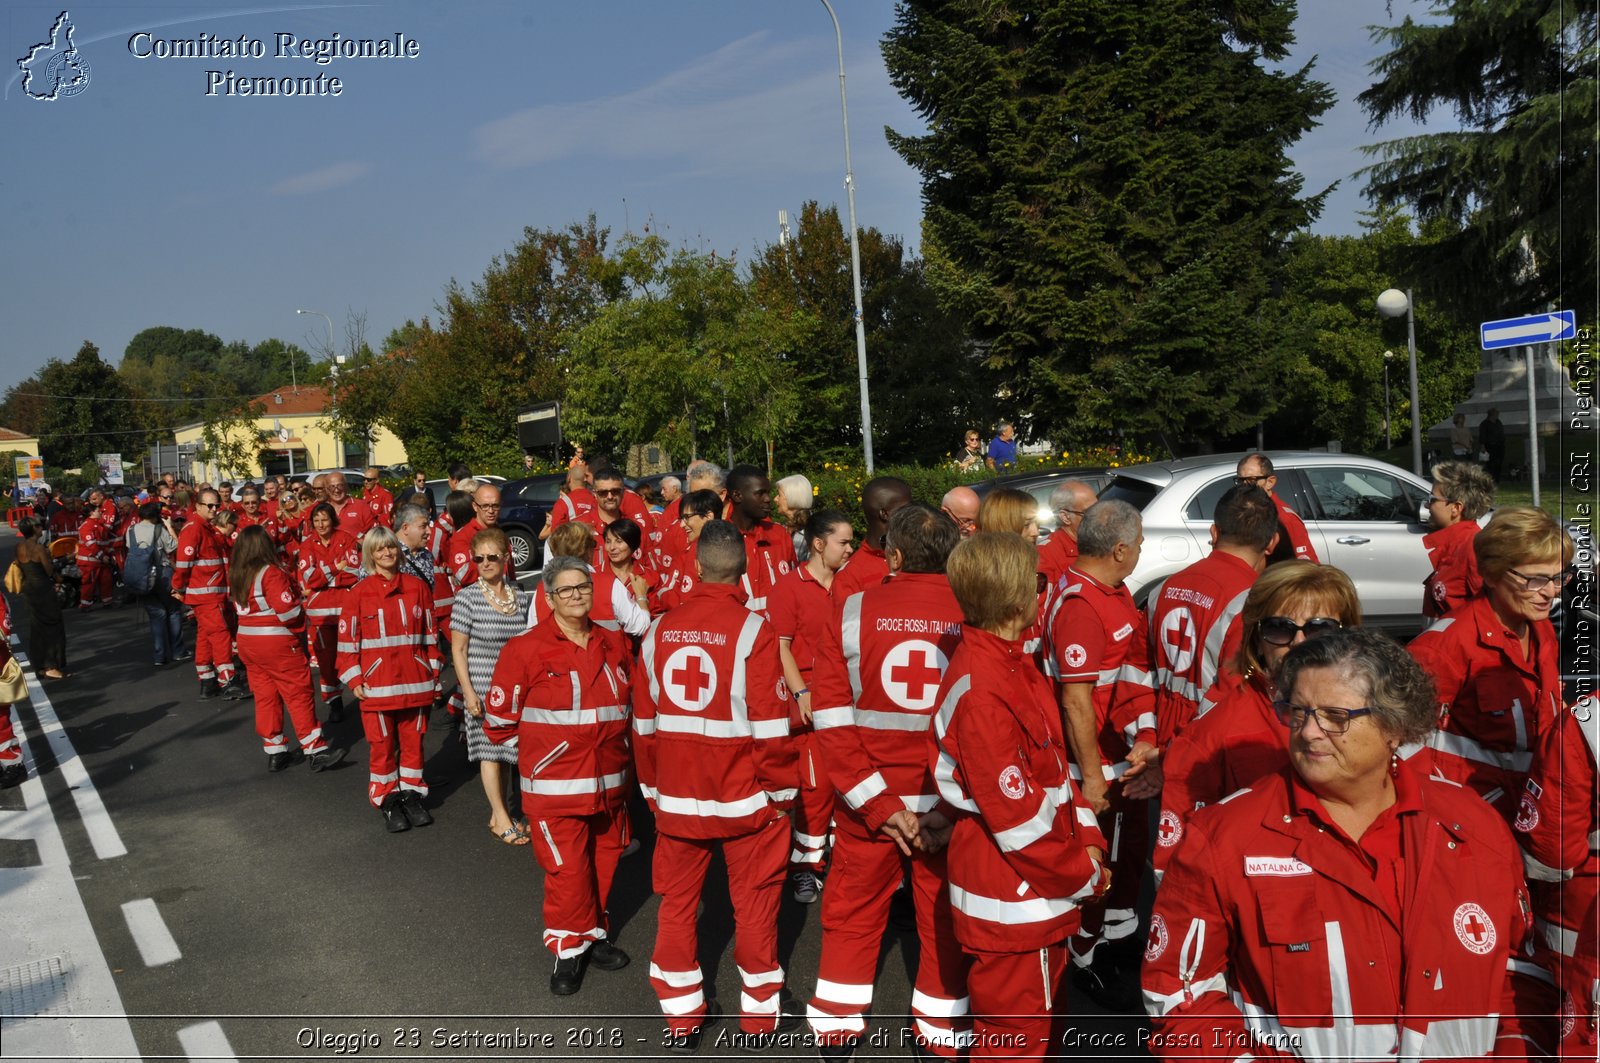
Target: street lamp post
<point>855,252</point>
<point>1393,303</point>
<point>1388,440</point>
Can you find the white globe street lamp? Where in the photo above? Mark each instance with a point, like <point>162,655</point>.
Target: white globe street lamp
<point>1393,303</point>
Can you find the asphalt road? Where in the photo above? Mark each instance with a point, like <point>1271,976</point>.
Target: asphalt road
<point>305,931</point>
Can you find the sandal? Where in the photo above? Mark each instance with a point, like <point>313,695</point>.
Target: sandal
<point>510,836</point>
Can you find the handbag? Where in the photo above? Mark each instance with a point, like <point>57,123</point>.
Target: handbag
<point>14,578</point>
<point>13,687</point>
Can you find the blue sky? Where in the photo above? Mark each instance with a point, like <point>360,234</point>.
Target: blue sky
<point>142,201</point>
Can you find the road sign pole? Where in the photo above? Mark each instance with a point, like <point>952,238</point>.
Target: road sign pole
<point>1533,427</point>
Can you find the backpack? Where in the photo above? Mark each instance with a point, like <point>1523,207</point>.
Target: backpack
<point>139,570</point>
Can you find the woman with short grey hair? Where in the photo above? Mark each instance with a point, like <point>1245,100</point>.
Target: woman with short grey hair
<point>794,499</point>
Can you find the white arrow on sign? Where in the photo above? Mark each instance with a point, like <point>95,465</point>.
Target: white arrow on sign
<point>1536,328</point>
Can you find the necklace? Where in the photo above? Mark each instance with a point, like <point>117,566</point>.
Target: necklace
<point>504,606</point>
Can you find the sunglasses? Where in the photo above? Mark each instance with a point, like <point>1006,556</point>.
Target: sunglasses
<point>608,492</point>
<point>371,479</point>
<point>1281,630</point>
<point>485,559</point>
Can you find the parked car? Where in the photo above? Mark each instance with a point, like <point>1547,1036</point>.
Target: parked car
<point>524,508</point>
<point>440,488</point>
<point>354,479</point>
<point>1363,515</point>
<point>1040,484</point>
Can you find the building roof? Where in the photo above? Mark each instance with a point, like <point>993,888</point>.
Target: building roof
<point>289,401</point>
<point>7,434</point>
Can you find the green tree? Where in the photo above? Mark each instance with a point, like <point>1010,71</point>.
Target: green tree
<point>89,411</point>
<point>25,406</point>
<point>1111,181</point>
<point>1520,78</point>
<point>231,439</point>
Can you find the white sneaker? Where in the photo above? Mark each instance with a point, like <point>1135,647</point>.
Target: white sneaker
<point>806,886</point>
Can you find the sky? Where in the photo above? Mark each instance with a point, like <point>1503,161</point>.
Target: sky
<point>153,197</point>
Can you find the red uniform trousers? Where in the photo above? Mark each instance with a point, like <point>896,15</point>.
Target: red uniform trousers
<point>579,855</point>
<point>756,865</point>
<point>10,748</point>
<point>394,740</point>
<point>1126,825</point>
<point>1015,1000</point>
<point>280,680</point>
<point>867,869</point>
<point>95,581</point>
<point>324,639</point>
<point>213,644</point>
<point>813,811</point>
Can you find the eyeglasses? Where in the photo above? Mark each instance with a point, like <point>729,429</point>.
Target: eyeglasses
<point>487,505</point>
<point>1250,481</point>
<point>1333,721</point>
<point>1281,630</point>
<point>607,492</point>
<point>484,559</point>
<point>574,592</point>
<point>370,479</point>
<point>1535,584</point>
<point>1435,500</point>
<point>1069,512</point>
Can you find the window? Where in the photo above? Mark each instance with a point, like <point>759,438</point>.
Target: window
<point>1351,494</point>
<point>1137,493</point>
<point>1203,506</point>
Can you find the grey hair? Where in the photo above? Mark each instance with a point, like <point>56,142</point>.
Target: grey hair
<point>1062,497</point>
<point>1465,482</point>
<point>1399,692</point>
<point>1106,525</point>
<point>409,512</point>
<point>468,485</point>
<point>710,473</point>
<point>561,563</point>
<point>673,480</point>
<point>796,491</point>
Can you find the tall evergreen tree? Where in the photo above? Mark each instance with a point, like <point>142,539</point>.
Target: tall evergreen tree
<point>1519,180</point>
<point>1111,182</point>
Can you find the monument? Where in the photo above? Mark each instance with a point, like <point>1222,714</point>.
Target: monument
<point>1502,384</point>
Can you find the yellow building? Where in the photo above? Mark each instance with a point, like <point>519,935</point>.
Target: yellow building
<point>292,437</point>
<point>16,441</point>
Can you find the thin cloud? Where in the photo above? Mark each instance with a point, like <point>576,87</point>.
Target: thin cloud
<point>750,105</point>
<point>329,177</point>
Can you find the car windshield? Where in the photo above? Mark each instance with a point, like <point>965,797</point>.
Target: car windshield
<point>1136,493</point>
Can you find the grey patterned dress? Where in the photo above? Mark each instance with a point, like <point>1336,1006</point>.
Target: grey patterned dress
<point>487,630</point>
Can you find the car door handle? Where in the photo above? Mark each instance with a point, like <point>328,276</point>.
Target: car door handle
<point>1352,540</point>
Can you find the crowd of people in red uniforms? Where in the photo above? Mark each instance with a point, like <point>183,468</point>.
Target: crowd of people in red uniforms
<point>989,725</point>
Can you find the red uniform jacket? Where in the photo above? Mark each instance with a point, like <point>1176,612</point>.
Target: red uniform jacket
<point>1018,865</point>
<point>567,709</point>
<point>679,579</point>
<point>94,541</point>
<point>356,517</point>
<point>769,555</point>
<point>1096,635</point>
<point>388,644</point>
<point>1295,529</point>
<point>1454,578</point>
<point>800,608</point>
<point>1493,703</point>
<point>1275,936</point>
<point>458,564</point>
<point>273,609</point>
<point>1194,627</point>
<point>1056,554</point>
<point>200,573</point>
<point>573,505</point>
<point>323,584</point>
<point>875,690</point>
<point>439,533</point>
<point>711,719</point>
<point>1558,824</point>
<point>867,567</point>
<point>382,503</point>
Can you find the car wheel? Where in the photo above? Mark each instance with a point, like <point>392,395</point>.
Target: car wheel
<point>523,549</point>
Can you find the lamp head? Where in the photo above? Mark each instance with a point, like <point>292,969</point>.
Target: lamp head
<point>1393,303</point>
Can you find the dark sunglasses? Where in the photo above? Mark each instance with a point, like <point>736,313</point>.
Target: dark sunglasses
<point>484,559</point>
<point>1281,630</point>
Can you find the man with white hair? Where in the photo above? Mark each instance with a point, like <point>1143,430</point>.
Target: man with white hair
<point>1069,502</point>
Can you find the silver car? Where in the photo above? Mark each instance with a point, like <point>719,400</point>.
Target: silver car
<point>1365,516</point>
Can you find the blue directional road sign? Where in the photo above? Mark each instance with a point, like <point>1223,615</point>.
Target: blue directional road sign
<point>1535,328</point>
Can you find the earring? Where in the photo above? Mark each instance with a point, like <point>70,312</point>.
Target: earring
<point>1394,762</point>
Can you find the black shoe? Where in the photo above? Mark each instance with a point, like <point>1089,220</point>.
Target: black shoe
<point>607,957</point>
<point>788,1019</point>
<point>181,656</point>
<point>13,775</point>
<point>235,690</point>
<point>279,761</point>
<point>394,818</point>
<point>687,1044</point>
<point>411,803</point>
<point>568,976</point>
<point>158,663</point>
<point>209,690</point>
<point>336,710</point>
<point>1100,984</point>
<point>324,759</point>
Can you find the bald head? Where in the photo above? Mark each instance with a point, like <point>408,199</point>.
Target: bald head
<point>960,504</point>
<point>486,505</point>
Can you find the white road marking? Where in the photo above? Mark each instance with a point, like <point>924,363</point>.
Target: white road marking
<point>150,933</point>
<point>96,820</point>
<point>205,1040</point>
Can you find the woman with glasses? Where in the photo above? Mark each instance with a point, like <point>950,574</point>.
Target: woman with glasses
<point>560,697</point>
<point>289,518</point>
<point>329,565</point>
<point>1461,493</point>
<point>1348,906</point>
<point>970,457</point>
<point>487,614</point>
<point>389,658</point>
<point>1237,739</point>
<point>1495,659</point>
